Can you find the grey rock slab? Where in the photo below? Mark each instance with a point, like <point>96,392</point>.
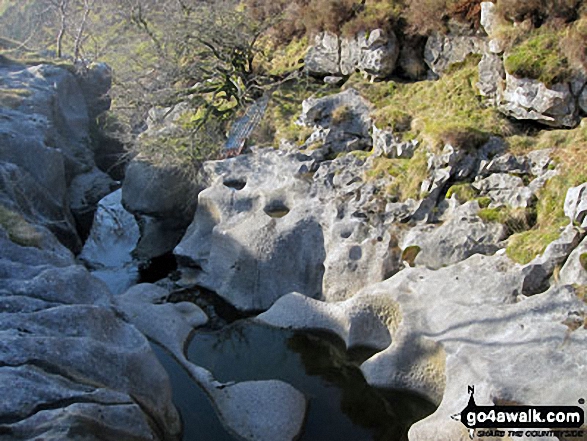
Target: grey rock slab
<point>576,204</point>
<point>528,99</point>
<point>455,240</point>
<point>90,345</point>
<point>109,422</point>
<point>442,51</point>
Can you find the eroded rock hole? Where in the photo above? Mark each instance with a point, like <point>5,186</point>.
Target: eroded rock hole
<point>237,184</point>
<point>276,209</point>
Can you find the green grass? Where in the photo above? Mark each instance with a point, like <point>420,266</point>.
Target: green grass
<point>18,229</point>
<point>283,60</point>
<point>525,246</point>
<point>463,192</point>
<point>540,57</point>
<point>448,110</point>
<point>406,175</point>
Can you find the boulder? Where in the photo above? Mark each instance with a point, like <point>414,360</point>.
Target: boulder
<point>528,99</point>
<point>574,271</point>
<point>254,235</point>
<point>86,190</point>
<point>163,199</point>
<point>491,77</point>
<point>576,205</point>
<point>323,58</point>
<point>113,238</point>
<point>462,235</point>
<point>442,51</point>
<point>375,54</point>
<point>346,117</point>
<point>505,189</point>
<point>537,273</point>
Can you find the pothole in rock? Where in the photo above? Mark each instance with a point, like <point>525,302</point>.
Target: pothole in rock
<point>342,405</point>
<point>276,209</point>
<point>237,184</point>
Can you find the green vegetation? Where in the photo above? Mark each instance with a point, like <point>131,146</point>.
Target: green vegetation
<point>539,56</point>
<point>463,192</point>
<point>407,174</point>
<point>570,153</point>
<point>18,229</point>
<point>458,115</point>
<point>525,246</point>
<point>410,253</point>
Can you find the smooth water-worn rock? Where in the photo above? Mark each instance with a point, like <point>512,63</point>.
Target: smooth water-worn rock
<point>255,410</point>
<point>465,324</point>
<point>252,227</point>
<point>113,238</point>
<point>163,199</point>
<point>82,368</point>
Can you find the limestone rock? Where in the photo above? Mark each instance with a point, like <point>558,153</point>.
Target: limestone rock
<point>164,201</point>
<point>345,116</point>
<point>505,189</point>
<point>491,77</point>
<point>374,54</point>
<point>445,330</point>
<point>252,237</point>
<point>537,273</point>
<point>583,100</point>
<point>108,250</point>
<point>324,57</point>
<point>574,271</point>
<point>85,192</point>
<point>576,205</point>
<point>442,51</point>
<point>460,237</point>
<point>385,143</point>
<point>529,99</point>
<point>489,17</point>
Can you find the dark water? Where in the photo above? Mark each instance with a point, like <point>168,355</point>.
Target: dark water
<point>199,419</point>
<point>342,406</point>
